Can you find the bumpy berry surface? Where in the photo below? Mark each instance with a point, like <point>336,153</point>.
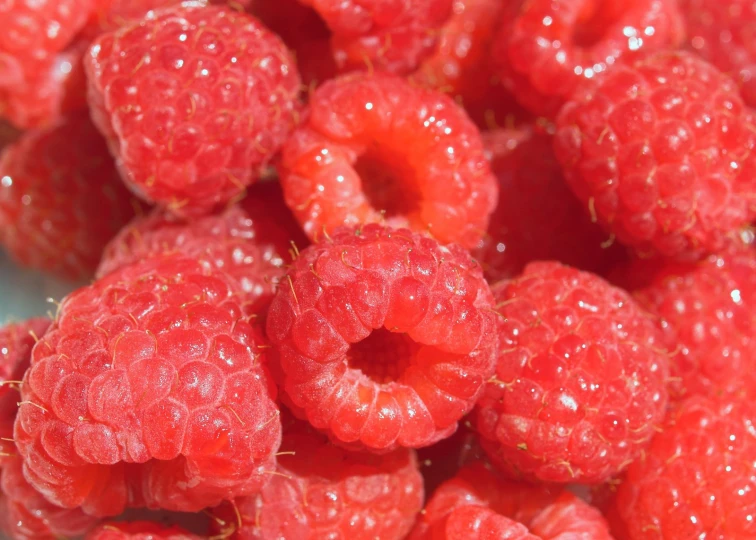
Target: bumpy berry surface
<point>385,337</point>
<point>61,199</point>
<point>477,505</point>
<point>697,478</point>
<point>661,153</point>
<point>723,34</point>
<point>139,530</point>
<point>250,241</point>
<point>322,491</point>
<point>377,149</point>
<point>538,217</point>
<point>149,390</point>
<point>580,384</point>
<point>388,35</point>
<point>707,315</point>
<point>546,48</point>
<point>194,100</point>
<point>16,342</point>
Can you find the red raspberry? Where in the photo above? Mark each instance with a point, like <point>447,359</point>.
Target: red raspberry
<point>322,491</point>
<point>61,199</point>
<point>545,48</point>
<point>661,152</point>
<point>696,480</point>
<point>538,217</point>
<point>385,337</point>
<point>477,505</point>
<point>376,148</point>
<point>149,390</point>
<point>139,530</point>
<point>388,35</point>
<point>707,313</point>
<point>580,385</point>
<point>16,342</point>
<point>250,241</point>
<point>194,100</point>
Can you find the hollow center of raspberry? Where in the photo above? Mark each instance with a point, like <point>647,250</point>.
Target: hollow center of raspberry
<point>594,19</point>
<point>389,183</point>
<point>383,356</point>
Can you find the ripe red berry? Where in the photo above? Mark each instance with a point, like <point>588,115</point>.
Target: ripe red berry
<point>696,480</point>
<point>377,149</point>
<point>16,342</point>
<point>538,217</point>
<point>580,383</point>
<point>194,100</point>
<point>139,530</point>
<point>149,390</point>
<point>250,241</point>
<point>323,491</point>
<point>385,338</point>
<point>660,151</point>
<point>545,48</point>
<point>61,199</point>
<point>477,504</point>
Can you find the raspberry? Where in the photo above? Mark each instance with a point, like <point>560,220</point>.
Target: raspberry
<point>545,48</point>
<point>322,491</point>
<point>149,390</point>
<point>375,149</point>
<point>707,314</point>
<point>194,100</point>
<point>538,217</point>
<point>722,33</point>
<point>384,337</point>
<point>696,480</point>
<point>580,385</point>
<point>661,152</point>
<point>478,504</point>
<point>250,241</point>
<point>388,35</point>
<point>16,342</point>
<point>61,199</point>
<point>139,530</point>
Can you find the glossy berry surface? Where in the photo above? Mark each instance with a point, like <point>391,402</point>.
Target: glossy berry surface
<point>660,152</point>
<point>378,149</point>
<point>149,390</point>
<point>139,530</point>
<point>385,337</point>
<point>194,100</point>
<point>580,384</point>
<point>16,342</point>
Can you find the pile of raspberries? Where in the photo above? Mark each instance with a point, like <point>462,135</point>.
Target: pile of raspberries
<point>380,269</point>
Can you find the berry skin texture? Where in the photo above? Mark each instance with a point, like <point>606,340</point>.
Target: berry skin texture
<point>384,337</point>
<point>386,35</point>
<point>194,100</point>
<point>546,48</point>
<point>16,342</point>
<point>149,390</point>
<point>707,316</point>
<point>580,382</point>
<point>660,151</point>
<point>697,478</point>
<point>323,491</point>
<point>477,505</point>
<point>538,217</point>
<point>377,149</point>
<point>61,199</point>
<point>139,530</point>
<point>250,241</point>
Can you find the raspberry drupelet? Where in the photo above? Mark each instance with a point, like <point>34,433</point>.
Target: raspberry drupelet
<point>194,101</point>
<point>580,383</point>
<point>477,504</point>
<point>139,530</point>
<point>377,149</point>
<point>385,338</point>
<point>16,342</point>
<point>697,478</point>
<point>149,390</point>
<point>323,491</point>
<point>250,241</point>
<point>61,199</point>
<point>546,48</point>
<point>660,152</point>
